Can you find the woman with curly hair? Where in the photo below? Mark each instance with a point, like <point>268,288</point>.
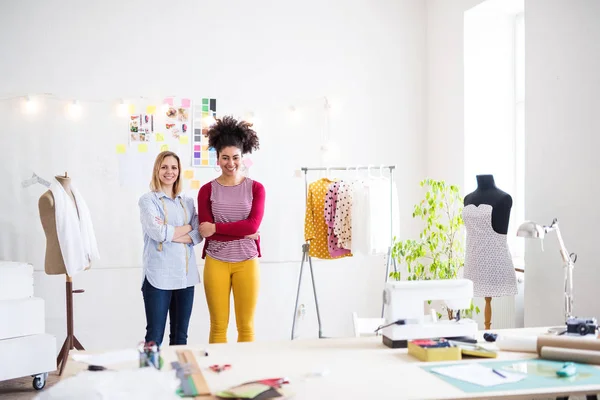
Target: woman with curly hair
<point>230,210</point>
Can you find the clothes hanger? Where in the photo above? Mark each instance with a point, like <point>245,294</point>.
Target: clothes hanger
<point>381,176</point>
<point>346,174</point>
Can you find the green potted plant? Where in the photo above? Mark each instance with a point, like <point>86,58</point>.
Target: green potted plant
<point>439,251</point>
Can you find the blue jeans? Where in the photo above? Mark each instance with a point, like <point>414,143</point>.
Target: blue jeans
<point>177,303</point>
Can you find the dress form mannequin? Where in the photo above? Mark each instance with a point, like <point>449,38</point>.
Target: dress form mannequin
<point>488,193</point>
<point>55,265</point>
<point>498,258</point>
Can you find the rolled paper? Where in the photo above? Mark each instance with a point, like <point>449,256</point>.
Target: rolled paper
<point>568,354</point>
<point>523,344</point>
<point>568,342</point>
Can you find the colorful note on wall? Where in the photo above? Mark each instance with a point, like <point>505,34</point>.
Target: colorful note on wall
<point>121,149</point>
<point>202,155</point>
<point>188,174</point>
<point>195,184</point>
<point>143,147</point>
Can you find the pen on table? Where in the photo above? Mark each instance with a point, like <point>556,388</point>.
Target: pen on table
<point>498,373</point>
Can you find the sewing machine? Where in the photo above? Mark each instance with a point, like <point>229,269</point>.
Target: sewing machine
<point>405,317</point>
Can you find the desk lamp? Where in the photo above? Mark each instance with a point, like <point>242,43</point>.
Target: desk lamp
<point>529,229</point>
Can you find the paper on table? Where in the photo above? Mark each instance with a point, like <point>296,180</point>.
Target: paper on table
<point>478,374</point>
<point>106,359</point>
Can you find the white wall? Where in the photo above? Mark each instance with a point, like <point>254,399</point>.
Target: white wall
<point>561,174</point>
<point>368,57</point>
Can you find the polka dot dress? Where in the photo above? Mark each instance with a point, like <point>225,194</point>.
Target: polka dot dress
<point>488,262</point>
<point>343,215</point>
<point>331,203</point>
<point>315,227</point>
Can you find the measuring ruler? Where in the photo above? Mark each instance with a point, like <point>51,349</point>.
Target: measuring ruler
<point>196,377</point>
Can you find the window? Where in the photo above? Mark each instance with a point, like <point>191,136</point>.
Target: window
<point>494,75</point>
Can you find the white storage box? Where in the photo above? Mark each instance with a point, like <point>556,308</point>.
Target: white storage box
<point>16,280</point>
<point>27,356</point>
<point>22,317</point>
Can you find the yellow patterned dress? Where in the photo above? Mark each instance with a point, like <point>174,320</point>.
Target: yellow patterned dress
<point>315,227</point>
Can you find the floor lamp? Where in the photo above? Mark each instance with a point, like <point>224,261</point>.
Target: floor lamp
<point>529,229</point>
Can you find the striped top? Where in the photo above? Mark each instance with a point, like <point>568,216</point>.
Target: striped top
<point>168,265</point>
<point>231,204</point>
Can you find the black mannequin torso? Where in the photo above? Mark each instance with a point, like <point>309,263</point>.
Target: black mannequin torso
<point>501,202</point>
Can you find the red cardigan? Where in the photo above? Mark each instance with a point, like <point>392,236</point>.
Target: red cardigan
<point>228,231</point>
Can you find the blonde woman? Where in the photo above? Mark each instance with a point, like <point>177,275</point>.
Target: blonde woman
<point>170,230</point>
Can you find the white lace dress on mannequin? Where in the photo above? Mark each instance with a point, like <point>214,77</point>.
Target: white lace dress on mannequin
<point>488,262</point>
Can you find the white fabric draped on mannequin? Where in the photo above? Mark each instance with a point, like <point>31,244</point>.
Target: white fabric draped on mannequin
<point>75,233</point>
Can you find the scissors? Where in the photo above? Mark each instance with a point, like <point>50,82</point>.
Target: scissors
<point>220,368</point>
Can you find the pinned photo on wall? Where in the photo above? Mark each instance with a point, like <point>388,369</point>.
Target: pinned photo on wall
<point>141,127</point>
<point>176,117</point>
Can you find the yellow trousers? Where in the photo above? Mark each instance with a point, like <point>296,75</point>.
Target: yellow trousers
<point>219,279</point>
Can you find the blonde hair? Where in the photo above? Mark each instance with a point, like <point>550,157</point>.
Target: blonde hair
<point>155,185</point>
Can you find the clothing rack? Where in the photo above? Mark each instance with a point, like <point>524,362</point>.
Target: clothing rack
<point>306,246</point>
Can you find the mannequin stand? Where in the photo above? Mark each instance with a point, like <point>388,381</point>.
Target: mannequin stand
<point>488,313</point>
<point>71,341</point>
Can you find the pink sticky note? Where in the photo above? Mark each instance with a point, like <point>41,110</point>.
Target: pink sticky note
<point>196,147</point>
<point>185,103</point>
<point>168,100</point>
<point>248,162</point>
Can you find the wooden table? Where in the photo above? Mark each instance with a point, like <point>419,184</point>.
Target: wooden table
<point>356,368</point>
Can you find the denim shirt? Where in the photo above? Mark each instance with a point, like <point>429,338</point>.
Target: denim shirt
<point>165,261</point>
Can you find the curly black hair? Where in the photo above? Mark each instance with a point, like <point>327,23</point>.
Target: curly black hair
<point>230,132</point>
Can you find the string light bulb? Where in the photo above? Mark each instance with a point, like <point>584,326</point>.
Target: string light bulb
<point>251,117</point>
<point>74,109</point>
<point>122,108</point>
<point>333,108</point>
<point>295,114</point>
<point>30,105</point>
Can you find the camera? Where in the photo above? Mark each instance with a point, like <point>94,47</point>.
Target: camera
<point>582,326</point>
